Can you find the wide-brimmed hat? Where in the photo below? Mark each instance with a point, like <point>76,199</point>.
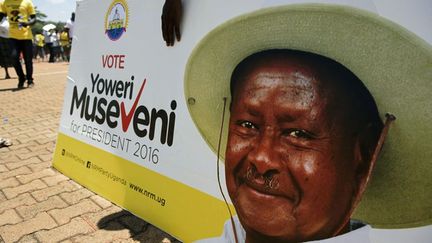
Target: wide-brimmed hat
<point>394,64</point>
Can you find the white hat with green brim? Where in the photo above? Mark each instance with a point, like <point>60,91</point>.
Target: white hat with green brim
<point>394,64</point>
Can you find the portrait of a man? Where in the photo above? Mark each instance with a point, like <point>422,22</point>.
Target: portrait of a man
<point>307,88</point>
<point>302,132</point>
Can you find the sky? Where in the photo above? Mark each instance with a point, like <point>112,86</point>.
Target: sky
<point>56,10</point>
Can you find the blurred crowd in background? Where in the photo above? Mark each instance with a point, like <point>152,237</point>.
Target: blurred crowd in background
<point>53,44</point>
<point>47,41</point>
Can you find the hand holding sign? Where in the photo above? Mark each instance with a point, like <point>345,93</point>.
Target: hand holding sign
<point>171,18</point>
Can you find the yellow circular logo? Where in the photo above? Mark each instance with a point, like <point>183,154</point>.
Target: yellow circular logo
<point>116,19</point>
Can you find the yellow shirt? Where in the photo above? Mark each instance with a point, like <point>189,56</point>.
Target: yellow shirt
<point>64,39</point>
<point>40,39</point>
<point>17,11</point>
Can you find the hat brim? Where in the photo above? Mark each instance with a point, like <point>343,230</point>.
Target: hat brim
<point>394,64</point>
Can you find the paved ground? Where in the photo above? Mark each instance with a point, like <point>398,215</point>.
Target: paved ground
<point>37,203</point>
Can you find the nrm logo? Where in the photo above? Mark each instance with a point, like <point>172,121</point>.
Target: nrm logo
<point>116,19</point>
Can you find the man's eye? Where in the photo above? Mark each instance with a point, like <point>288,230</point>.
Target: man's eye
<point>247,124</point>
<point>298,133</point>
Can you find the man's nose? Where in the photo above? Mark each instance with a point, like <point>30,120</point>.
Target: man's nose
<point>264,155</point>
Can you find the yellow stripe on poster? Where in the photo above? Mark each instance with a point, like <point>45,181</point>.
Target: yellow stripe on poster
<point>170,205</point>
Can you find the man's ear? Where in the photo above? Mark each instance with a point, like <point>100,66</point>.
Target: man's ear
<point>365,146</point>
<point>364,149</point>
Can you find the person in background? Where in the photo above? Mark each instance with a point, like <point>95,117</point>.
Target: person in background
<point>70,26</point>
<point>56,45</point>
<point>47,42</point>
<point>65,44</point>
<point>21,15</point>
<point>50,38</point>
<point>5,57</point>
<point>40,41</point>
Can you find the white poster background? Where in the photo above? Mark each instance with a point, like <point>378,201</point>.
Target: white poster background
<point>189,160</point>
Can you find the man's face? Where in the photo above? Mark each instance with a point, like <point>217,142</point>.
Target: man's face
<point>290,159</point>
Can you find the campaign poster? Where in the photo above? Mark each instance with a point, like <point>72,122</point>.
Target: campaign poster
<point>168,132</point>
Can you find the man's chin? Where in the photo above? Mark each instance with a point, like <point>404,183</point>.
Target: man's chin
<point>256,232</point>
<point>274,224</point>
<point>269,217</point>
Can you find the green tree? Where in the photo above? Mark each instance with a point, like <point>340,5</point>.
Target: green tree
<point>60,26</point>
<point>39,15</point>
<point>40,21</point>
